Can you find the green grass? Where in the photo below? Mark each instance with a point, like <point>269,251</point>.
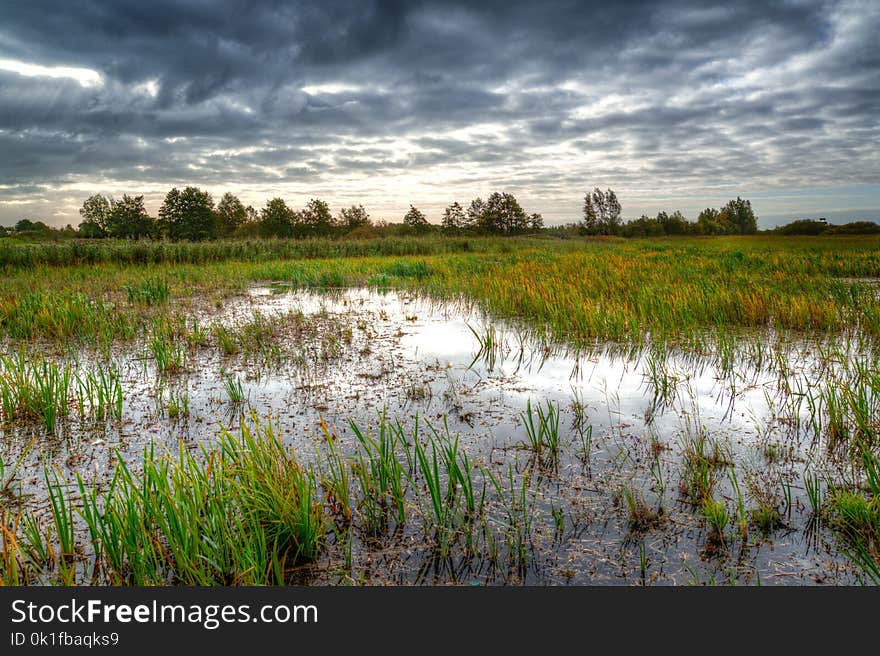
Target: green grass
<point>248,511</point>
<point>234,390</point>
<point>704,460</point>
<point>685,290</point>
<point>542,428</point>
<point>855,516</point>
<point>149,292</point>
<point>100,394</point>
<point>34,388</point>
<point>380,476</point>
<point>717,518</point>
<point>245,513</point>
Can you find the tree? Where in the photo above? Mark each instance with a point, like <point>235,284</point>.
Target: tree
<point>90,230</point>
<point>354,217</point>
<point>710,222</point>
<point>601,213</point>
<point>590,222</point>
<point>454,218</point>
<point>128,219</point>
<point>95,212</point>
<point>804,227</point>
<point>503,214</point>
<point>26,225</point>
<point>188,214</point>
<point>644,226</point>
<point>276,219</point>
<point>674,224</point>
<point>415,219</point>
<point>475,213</point>
<point>317,217</point>
<point>741,217</point>
<point>231,215</point>
<point>535,222</point>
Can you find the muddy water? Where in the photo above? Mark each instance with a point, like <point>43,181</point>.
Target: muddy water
<point>625,417</point>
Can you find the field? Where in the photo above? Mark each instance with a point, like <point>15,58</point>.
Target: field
<point>432,411</point>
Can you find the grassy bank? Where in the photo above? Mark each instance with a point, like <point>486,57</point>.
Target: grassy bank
<point>577,290</point>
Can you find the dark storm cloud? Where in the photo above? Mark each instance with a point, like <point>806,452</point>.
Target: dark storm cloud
<point>548,98</point>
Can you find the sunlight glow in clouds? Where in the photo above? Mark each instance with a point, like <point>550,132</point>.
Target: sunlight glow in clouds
<point>85,76</point>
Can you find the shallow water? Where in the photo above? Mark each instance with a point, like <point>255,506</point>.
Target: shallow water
<point>406,356</point>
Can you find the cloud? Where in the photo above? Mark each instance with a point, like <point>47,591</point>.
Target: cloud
<point>670,103</point>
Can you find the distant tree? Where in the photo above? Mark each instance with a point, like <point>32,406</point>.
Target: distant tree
<point>90,230</point>
<point>535,222</point>
<point>644,226</point>
<point>251,215</point>
<point>740,216</point>
<point>188,214</point>
<point>354,217</point>
<point>674,224</point>
<point>711,222</point>
<point>612,216</point>
<point>601,213</point>
<point>277,219</point>
<point>317,217</point>
<point>855,228</point>
<point>26,225</point>
<point>590,222</point>
<point>454,218</point>
<point>231,215</point>
<point>503,214</point>
<point>128,219</point>
<point>95,212</point>
<point>475,213</point>
<point>803,227</point>
<point>415,219</point>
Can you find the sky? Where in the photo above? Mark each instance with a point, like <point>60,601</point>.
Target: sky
<point>674,105</point>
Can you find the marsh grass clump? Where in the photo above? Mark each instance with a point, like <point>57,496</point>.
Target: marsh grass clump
<point>662,380</point>
<point>767,494</point>
<point>717,518</point>
<point>234,390</point>
<point>151,291</point>
<point>517,500</point>
<point>177,405</point>
<point>260,337</point>
<point>167,345</point>
<point>855,517</point>
<point>100,393</point>
<point>542,428</point>
<point>641,517</point>
<point>703,460</point>
<point>408,269</point>
<point>60,314</point>
<point>452,505</point>
<point>244,512</point>
<point>490,345</point>
<point>33,387</point>
<point>226,340</point>
<point>380,477</point>
<point>846,411</point>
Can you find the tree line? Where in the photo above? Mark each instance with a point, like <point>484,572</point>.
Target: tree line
<point>601,216</point>
<point>190,214</point>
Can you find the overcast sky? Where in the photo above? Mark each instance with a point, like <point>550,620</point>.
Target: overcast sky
<point>675,105</point>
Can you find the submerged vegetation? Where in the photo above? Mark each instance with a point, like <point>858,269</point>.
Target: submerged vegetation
<point>451,487</point>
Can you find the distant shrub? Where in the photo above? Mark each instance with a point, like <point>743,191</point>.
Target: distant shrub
<point>803,227</point>
<point>855,228</point>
